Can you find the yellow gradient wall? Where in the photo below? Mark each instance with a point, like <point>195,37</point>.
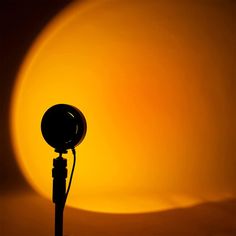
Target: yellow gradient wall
<point>154,81</point>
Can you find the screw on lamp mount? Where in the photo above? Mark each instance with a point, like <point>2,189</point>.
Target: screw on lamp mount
<point>63,127</point>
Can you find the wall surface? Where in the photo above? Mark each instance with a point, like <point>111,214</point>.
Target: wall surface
<point>21,22</point>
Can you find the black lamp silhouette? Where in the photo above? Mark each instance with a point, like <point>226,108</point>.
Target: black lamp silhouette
<point>63,127</point>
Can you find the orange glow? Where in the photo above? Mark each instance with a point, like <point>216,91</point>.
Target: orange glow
<point>157,110</point>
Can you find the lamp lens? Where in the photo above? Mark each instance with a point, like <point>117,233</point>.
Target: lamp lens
<point>63,127</point>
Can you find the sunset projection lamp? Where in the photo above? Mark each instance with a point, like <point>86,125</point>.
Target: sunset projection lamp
<point>63,127</point>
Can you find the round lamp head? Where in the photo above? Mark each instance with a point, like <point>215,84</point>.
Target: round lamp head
<point>63,127</point>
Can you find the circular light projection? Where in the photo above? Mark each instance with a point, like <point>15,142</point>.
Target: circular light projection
<point>142,80</point>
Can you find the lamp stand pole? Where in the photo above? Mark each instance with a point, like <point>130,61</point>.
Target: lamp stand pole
<point>59,174</point>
